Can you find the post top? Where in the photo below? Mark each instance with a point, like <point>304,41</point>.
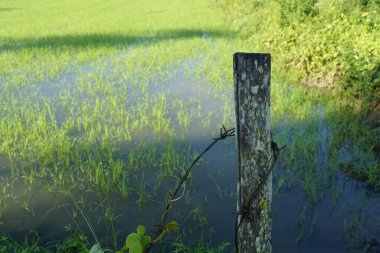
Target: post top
<point>243,60</point>
<point>250,54</point>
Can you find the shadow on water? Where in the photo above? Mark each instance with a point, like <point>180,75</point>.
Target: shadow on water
<point>110,40</point>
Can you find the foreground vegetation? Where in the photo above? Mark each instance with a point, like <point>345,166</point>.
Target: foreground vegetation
<point>89,110</point>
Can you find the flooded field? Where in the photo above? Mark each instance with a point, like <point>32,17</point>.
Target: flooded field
<point>96,130</point>
<point>341,218</point>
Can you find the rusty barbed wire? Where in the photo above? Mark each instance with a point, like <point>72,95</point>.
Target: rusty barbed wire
<point>244,210</point>
<point>224,133</point>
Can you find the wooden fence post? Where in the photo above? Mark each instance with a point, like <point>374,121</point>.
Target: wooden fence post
<point>252,101</point>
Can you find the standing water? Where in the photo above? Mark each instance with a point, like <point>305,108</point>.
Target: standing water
<point>315,207</point>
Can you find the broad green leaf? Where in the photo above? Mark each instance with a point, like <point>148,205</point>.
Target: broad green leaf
<point>137,249</point>
<point>145,241</point>
<point>96,249</point>
<point>133,243</point>
<point>141,230</point>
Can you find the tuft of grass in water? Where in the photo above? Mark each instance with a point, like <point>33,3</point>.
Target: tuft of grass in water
<point>181,247</point>
<point>74,243</point>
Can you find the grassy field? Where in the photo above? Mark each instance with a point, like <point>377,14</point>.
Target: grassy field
<point>93,107</point>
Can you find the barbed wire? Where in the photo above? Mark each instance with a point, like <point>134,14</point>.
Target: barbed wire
<point>224,133</point>
<point>244,211</point>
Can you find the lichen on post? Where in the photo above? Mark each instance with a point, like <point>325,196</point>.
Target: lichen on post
<point>252,101</point>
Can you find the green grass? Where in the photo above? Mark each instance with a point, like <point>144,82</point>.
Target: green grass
<point>85,109</point>
<point>76,242</point>
<point>112,60</point>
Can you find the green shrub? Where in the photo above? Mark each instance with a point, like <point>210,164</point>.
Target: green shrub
<point>326,43</point>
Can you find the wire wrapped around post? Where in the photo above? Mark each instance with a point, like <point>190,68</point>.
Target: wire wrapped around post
<point>254,188</point>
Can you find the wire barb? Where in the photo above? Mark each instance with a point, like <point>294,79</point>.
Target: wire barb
<point>244,211</point>
<point>224,133</point>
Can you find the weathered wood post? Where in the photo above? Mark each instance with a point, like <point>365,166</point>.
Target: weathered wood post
<point>252,98</point>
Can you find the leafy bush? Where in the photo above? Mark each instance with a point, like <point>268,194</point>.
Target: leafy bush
<point>325,43</point>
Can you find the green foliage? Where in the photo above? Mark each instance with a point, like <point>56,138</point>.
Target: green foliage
<point>297,9</point>
<point>325,43</point>
<point>133,243</point>
<point>374,176</point>
<point>136,242</point>
<point>75,243</point>
<point>29,246</point>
